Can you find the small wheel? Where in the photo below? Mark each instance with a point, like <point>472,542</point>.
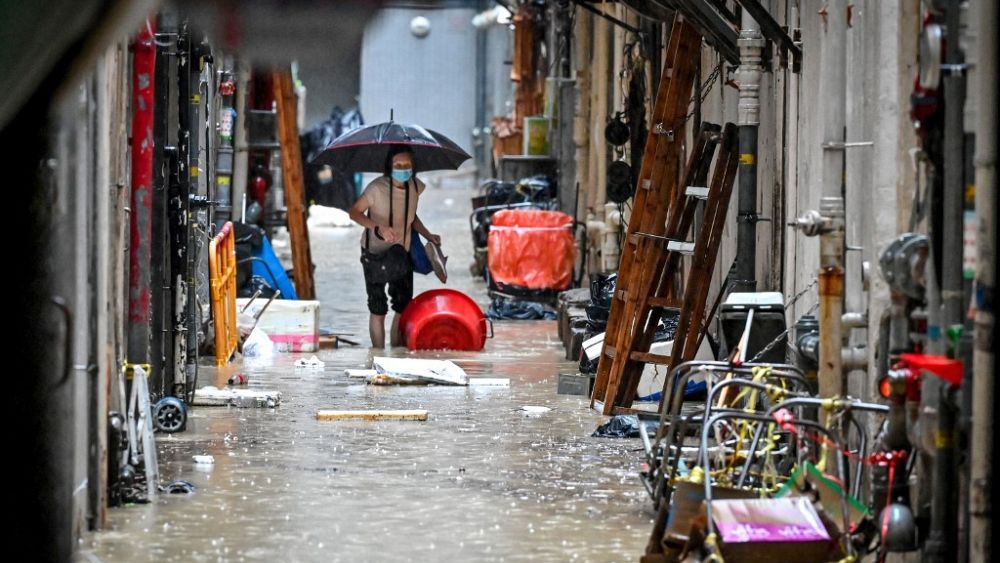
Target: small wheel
<point>170,415</point>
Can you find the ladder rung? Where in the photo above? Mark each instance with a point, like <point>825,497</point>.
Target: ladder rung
<point>609,351</point>
<point>664,302</point>
<point>699,192</point>
<point>649,358</point>
<point>682,247</point>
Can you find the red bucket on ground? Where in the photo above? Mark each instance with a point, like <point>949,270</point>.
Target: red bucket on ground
<point>443,319</point>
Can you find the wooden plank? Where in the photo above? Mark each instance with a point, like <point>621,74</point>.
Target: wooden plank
<point>295,192</point>
<point>664,302</point>
<point>629,411</point>
<point>609,351</point>
<point>649,358</point>
<point>419,415</point>
<point>489,382</point>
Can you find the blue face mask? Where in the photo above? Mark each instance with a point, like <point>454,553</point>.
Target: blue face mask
<point>402,175</point>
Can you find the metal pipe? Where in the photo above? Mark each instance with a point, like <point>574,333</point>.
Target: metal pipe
<point>480,129</point>
<point>225,152</point>
<point>981,441</point>
<point>884,347</point>
<point>833,78</point>
<point>942,542</point>
<point>242,154</point>
<point>831,298</point>
<point>854,320</point>
<point>751,44</point>
<point>140,220</point>
<point>954,183</point>
<point>200,187</point>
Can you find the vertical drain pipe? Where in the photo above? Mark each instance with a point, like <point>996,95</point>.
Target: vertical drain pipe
<point>942,542</point>
<point>751,44</point>
<point>141,206</point>
<point>981,442</point>
<point>833,79</point>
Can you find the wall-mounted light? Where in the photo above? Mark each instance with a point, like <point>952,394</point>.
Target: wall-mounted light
<point>420,27</point>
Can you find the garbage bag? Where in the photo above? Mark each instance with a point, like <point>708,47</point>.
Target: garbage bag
<point>533,249</point>
<point>503,308</point>
<point>667,327</point>
<point>602,291</point>
<point>693,391</point>
<point>625,426</point>
<point>258,345</point>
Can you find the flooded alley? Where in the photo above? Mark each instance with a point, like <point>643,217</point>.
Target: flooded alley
<point>481,480</point>
<point>644,281</point>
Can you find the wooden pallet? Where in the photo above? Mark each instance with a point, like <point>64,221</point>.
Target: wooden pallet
<point>647,283</point>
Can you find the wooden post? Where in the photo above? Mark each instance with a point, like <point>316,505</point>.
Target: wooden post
<point>295,197</point>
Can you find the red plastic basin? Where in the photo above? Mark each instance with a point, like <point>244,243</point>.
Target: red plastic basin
<point>443,319</point>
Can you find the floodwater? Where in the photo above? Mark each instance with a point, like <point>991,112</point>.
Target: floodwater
<point>480,480</point>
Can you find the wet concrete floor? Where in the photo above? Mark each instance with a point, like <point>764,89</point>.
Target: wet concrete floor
<point>479,481</point>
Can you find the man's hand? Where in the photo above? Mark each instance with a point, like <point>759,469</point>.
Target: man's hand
<point>436,239</point>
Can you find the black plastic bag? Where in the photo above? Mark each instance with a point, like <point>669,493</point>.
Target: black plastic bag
<point>503,308</point>
<point>625,426</point>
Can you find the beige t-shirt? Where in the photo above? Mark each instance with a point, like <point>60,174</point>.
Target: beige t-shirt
<point>377,196</point>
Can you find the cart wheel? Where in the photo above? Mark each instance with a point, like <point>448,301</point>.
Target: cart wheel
<point>170,415</point>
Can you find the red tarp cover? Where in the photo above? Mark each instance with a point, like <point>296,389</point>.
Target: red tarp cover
<point>532,249</point>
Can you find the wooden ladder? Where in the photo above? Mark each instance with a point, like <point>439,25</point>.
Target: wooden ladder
<point>655,186</point>
<point>655,280</point>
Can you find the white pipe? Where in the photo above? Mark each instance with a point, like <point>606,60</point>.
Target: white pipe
<point>751,44</point>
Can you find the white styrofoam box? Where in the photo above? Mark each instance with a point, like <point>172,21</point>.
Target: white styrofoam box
<point>293,325</point>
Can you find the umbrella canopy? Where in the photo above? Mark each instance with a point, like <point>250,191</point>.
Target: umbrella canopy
<point>364,149</point>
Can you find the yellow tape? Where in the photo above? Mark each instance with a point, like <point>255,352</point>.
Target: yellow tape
<point>944,440</point>
<point>747,159</point>
<point>129,369</point>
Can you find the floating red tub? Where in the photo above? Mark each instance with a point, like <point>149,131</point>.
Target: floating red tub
<point>443,319</point>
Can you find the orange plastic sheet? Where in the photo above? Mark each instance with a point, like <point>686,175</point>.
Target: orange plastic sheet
<point>532,249</point>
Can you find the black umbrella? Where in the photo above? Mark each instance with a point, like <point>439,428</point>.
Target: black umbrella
<point>364,149</point>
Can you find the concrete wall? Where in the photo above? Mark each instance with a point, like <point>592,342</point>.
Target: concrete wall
<point>429,81</point>
<point>879,181</point>
<point>334,80</point>
<point>89,201</point>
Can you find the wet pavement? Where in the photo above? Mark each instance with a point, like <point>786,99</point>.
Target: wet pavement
<point>479,481</point>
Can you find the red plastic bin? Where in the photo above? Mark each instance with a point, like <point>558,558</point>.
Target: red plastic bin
<point>443,319</point>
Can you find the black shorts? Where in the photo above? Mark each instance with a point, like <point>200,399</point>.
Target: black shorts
<point>400,290</point>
